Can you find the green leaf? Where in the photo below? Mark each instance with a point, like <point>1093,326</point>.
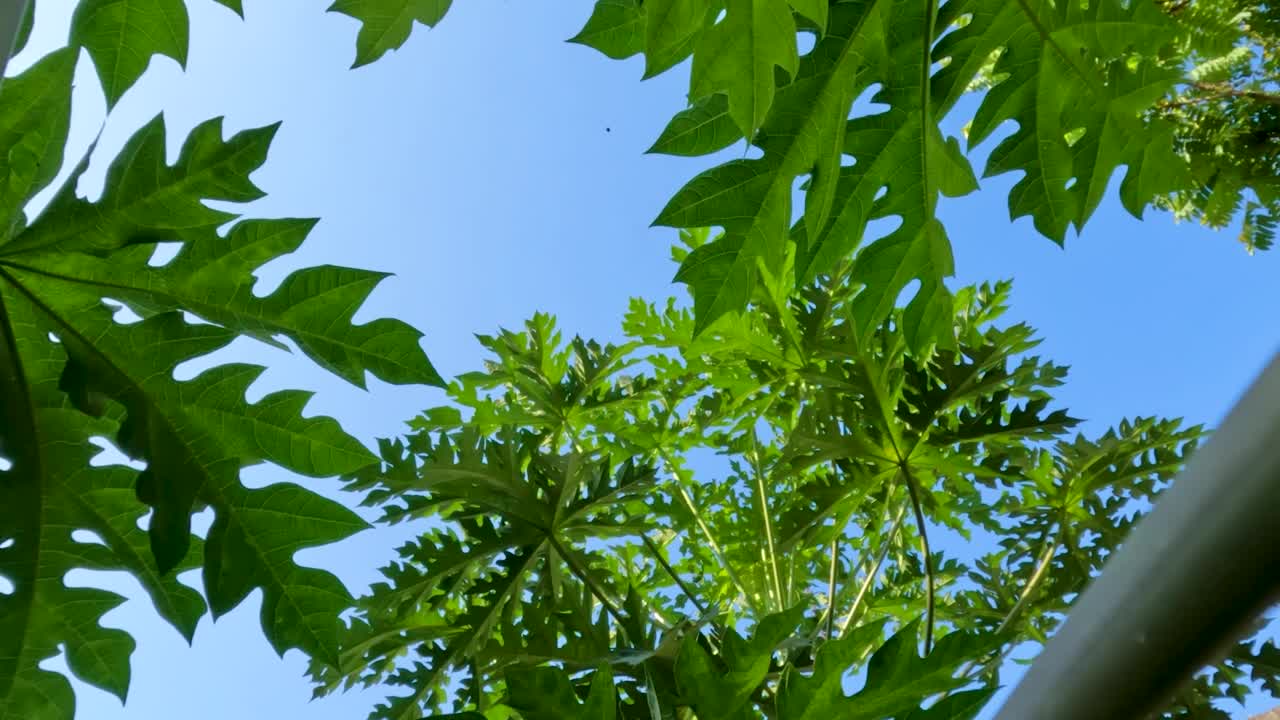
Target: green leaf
<point>898,680</point>
<point>964,705</point>
<point>122,35</point>
<point>901,148</point>
<point>1068,73</point>
<point>751,199</point>
<point>34,119</point>
<point>70,372</point>
<point>670,29</point>
<point>212,277</point>
<point>703,128</point>
<point>146,199</point>
<point>722,686</point>
<point>545,693</point>
<point>50,490</point>
<point>236,6</point>
<point>737,56</point>
<point>814,10</point>
<point>616,28</point>
<point>385,24</point>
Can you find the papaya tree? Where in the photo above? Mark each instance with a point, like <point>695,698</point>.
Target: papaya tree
<point>849,423</point>
<point>731,523</point>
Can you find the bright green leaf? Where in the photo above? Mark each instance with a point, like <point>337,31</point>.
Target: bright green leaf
<point>737,56</point>
<point>122,35</point>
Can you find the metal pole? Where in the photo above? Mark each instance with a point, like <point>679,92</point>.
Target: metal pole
<point>12,13</point>
<point>1183,587</point>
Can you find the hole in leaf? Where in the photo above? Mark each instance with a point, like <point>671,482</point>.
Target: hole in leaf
<point>123,314</point>
<point>55,339</point>
<point>908,291</point>
<point>6,587</point>
<point>144,522</point>
<point>805,42</point>
<point>881,227</point>
<point>884,190</point>
<point>5,464</point>
<point>202,521</point>
<point>193,319</point>
<point>799,186</point>
<point>7,543</point>
<point>87,537</point>
<point>847,160</point>
<point>864,105</point>
<point>720,17</point>
<point>112,455</point>
<point>1070,184</point>
<point>164,253</point>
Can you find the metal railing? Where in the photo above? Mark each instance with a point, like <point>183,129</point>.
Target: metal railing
<point>1181,589</point>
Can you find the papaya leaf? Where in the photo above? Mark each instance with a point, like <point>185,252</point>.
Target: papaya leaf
<point>703,128</point>
<point>723,685</point>
<point>615,28</point>
<point>898,680</point>
<point>738,55</point>
<point>236,6</point>
<point>1077,99</point>
<point>123,35</point>
<point>71,372</point>
<point>670,29</point>
<point>545,693</point>
<point>385,24</point>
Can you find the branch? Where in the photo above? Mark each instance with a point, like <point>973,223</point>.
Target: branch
<point>1224,90</point>
<point>851,616</point>
<point>768,524</point>
<point>585,576</point>
<point>662,560</point>
<point>928,560</point>
<point>706,533</point>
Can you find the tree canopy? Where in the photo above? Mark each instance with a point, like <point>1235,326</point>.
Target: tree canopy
<point>583,561</point>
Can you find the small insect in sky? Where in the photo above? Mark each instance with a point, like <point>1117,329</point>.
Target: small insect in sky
<point>607,130</point>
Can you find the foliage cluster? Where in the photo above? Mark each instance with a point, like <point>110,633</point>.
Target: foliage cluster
<point>728,524</point>
<point>76,375</point>
<point>1227,111</point>
<point>573,522</point>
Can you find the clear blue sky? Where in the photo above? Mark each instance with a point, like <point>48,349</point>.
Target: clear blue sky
<point>476,165</point>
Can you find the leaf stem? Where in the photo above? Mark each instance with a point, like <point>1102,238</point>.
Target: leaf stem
<point>831,584</point>
<point>1049,547</point>
<point>662,560</point>
<point>582,574</point>
<point>706,533</point>
<point>768,524</point>
<point>887,542</point>
<point>914,494</point>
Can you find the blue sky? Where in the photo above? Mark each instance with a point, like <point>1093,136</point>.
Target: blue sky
<point>499,171</point>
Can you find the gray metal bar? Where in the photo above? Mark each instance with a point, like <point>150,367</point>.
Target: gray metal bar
<point>11,14</point>
<point>1188,581</point>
